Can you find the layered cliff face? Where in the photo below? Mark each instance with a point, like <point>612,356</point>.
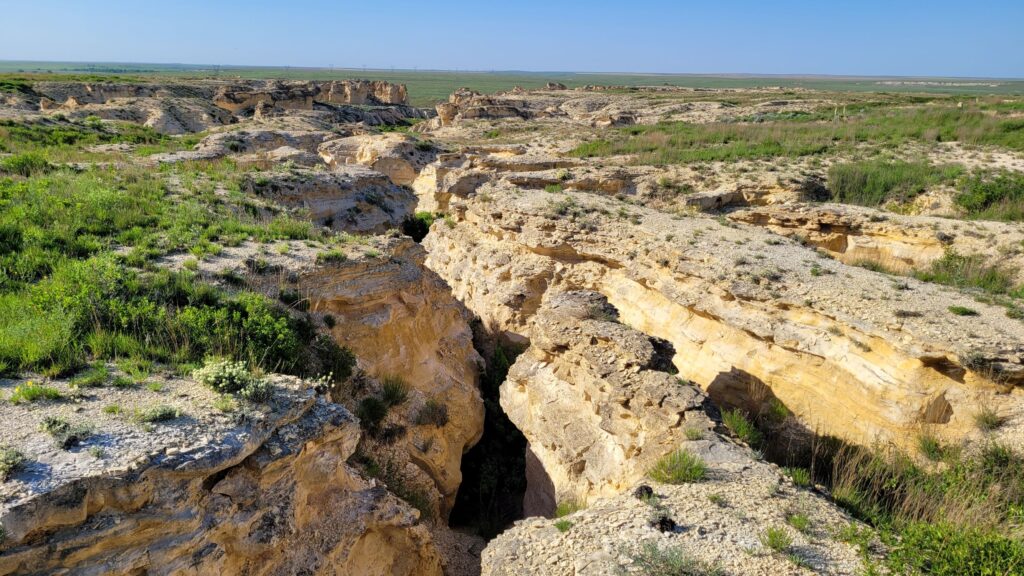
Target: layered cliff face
<point>269,492</point>
<point>848,351</point>
<point>400,320</point>
<point>600,411</point>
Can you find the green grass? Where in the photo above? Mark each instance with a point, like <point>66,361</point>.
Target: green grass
<point>563,525</point>
<point>799,521</point>
<point>987,419</point>
<point>31,392</point>
<point>776,539</point>
<point>679,467</point>
<point>963,311</point>
<point>971,271</point>
<point>800,476</point>
<point>737,422</point>
<point>875,182</point>
<point>94,377</point>
<point>66,297</point>
<point>993,195</point>
<point>954,550</point>
<point>881,126</point>
<point>567,506</point>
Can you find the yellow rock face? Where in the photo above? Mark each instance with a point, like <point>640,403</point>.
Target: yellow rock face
<point>849,352</point>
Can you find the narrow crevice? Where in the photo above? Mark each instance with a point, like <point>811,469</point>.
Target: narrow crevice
<point>490,497</point>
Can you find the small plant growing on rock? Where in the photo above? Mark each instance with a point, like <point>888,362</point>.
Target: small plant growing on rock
<point>569,506</point>
<point>931,447</point>
<point>800,476</point>
<point>563,525</point>
<point>741,427</point>
<point>229,377</point>
<point>11,461</point>
<point>160,413</point>
<point>987,419</point>
<point>64,433</point>
<point>30,392</point>
<point>799,521</point>
<point>693,433</point>
<point>332,255</point>
<point>679,467</point>
<point>963,311</point>
<point>394,390</point>
<point>776,539</point>
<point>653,560</point>
<point>371,412</point>
<point>717,499</point>
<point>433,412</point>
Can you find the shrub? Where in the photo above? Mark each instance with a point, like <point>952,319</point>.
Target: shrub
<point>32,392</point>
<point>11,461</point>
<point>971,271</point>
<point>394,390</point>
<point>741,427</point>
<point>679,467</point>
<point>434,413</point>
<point>993,196</point>
<point>25,164</point>
<point>64,433</point>
<point>653,560</point>
<point>229,377</point>
<point>776,538</point>
<point>553,188</point>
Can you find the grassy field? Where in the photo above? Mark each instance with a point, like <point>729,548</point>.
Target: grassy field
<point>429,86</point>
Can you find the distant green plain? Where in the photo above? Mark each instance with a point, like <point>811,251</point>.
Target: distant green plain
<point>430,86</point>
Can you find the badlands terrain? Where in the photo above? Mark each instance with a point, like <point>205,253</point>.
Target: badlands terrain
<point>304,327</point>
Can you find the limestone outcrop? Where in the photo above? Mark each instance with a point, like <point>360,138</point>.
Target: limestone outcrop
<point>208,494</point>
<point>400,320</point>
<point>850,352</point>
<point>351,198</point>
<point>399,157</point>
<point>595,401</point>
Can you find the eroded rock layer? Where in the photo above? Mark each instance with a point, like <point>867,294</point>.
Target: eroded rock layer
<point>272,494</point>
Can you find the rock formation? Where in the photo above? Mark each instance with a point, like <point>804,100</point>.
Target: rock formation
<point>213,497</point>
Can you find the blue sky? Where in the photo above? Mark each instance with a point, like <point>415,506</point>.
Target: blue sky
<point>895,37</point>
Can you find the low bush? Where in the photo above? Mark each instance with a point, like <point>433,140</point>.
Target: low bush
<point>160,413</point>
<point>25,164</point>
<point>993,196</point>
<point>11,461</point>
<point>64,433</point>
<point>954,550</point>
<point>679,467</point>
<point>567,506</point>
<point>371,412</point>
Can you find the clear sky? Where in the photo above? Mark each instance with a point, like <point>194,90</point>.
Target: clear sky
<point>866,37</point>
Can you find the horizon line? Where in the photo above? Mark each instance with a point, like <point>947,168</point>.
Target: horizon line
<point>784,75</point>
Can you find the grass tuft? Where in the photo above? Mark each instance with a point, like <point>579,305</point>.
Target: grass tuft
<point>679,467</point>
